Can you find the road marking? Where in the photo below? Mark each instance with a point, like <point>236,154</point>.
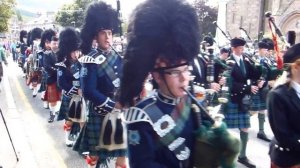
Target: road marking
<point>47,140</point>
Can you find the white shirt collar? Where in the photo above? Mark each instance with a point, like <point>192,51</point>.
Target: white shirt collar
<point>296,86</point>
<point>237,58</point>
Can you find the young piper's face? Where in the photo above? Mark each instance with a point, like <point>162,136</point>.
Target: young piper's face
<point>263,52</point>
<point>172,81</point>
<point>104,39</point>
<point>238,50</point>
<point>54,46</point>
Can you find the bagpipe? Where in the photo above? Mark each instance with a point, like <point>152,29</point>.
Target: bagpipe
<point>214,145</point>
<point>271,22</point>
<point>34,69</point>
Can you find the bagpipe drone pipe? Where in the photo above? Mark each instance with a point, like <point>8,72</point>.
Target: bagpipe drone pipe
<point>214,145</point>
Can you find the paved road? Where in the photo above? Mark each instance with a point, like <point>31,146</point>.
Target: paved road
<point>40,144</point>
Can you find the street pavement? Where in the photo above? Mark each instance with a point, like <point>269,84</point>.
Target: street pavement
<point>41,145</point>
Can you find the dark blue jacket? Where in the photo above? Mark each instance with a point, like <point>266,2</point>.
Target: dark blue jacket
<point>146,149</point>
<point>49,61</point>
<point>98,86</point>
<point>68,77</point>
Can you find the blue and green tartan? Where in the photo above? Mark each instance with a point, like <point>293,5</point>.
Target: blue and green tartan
<point>235,118</point>
<point>257,103</point>
<point>64,107</point>
<point>90,136</point>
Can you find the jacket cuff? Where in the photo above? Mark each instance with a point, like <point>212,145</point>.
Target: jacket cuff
<point>72,91</point>
<point>105,107</point>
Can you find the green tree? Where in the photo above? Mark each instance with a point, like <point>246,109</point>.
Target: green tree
<point>72,14</point>
<point>206,16</point>
<point>6,11</point>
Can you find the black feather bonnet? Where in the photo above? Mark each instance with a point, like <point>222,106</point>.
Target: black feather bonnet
<point>36,33</point>
<point>23,34</point>
<point>69,41</point>
<point>47,36</point>
<point>99,16</point>
<point>158,30</point>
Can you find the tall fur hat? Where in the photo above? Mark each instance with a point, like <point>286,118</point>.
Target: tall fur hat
<point>99,16</point>
<point>47,36</point>
<point>69,41</point>
<point>23,34</point>
<point>29,42</point>
<point>36,33</point>
<point>158,30</point>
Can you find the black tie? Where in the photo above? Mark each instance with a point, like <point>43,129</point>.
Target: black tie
<point>242,66</point>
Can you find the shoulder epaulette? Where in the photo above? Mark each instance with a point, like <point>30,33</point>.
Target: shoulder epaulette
<point>45,52</point>
<point>138,113</point>
<point>90,60</point>
<point>60,64</point>
<point>86,59</point>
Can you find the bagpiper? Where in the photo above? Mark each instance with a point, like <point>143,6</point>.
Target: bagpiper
<point>236,110</point>
<point>100,75</point>
<point>163,40</point>
<point>68,79</point>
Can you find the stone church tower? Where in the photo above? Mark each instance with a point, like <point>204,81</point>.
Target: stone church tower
<point>250,15</point>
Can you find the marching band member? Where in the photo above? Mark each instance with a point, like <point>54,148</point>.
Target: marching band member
<point>33,61</point>
<point>21,47</point>
<point>68,80</point>
<point>258,104</point>
<point>236,110</point>
<point>163,39</point>
<point>283,107</point>
<point>100,79</point>
<point>200,68</point>
<point>52,94</point>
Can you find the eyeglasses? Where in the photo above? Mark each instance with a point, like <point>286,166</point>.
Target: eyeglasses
<point>177,73</point>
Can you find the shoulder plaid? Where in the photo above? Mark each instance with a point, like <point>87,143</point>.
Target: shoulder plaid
<point>60,64</point>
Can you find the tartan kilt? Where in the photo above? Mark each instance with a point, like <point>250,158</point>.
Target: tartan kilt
<point>235,118</point>
<point>64,107</point>
<point>89,138</point>
<point>43,82</point>
<point>53,94</point>
<point>257,103</point>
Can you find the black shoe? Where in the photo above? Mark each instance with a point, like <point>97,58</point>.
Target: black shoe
<point>245,161</point>
<point>263,136</point>
<point>51,118</point>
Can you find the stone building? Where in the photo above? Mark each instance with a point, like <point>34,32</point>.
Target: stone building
<point>250,15</point>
